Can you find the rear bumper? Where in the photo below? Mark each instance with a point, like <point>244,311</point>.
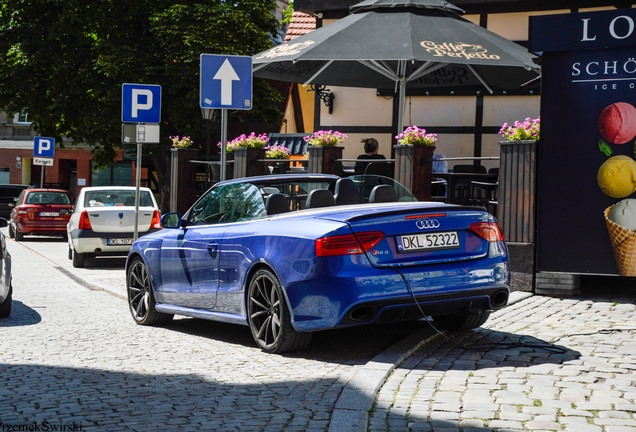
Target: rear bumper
<point>382,295</point>
<point>48,228</point>
<point>91,242</point>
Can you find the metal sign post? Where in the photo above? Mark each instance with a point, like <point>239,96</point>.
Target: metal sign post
<point>223,144</point>
<point>137,193</point>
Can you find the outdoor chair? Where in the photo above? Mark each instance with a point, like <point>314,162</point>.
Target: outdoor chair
<point>462,189</point>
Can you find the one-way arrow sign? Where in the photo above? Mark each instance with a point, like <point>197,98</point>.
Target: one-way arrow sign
<point>226,82</point>
<point>226,74</point>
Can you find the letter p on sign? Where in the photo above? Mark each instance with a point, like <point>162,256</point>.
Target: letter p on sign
<point>139,95</point>
<point>141,103</point>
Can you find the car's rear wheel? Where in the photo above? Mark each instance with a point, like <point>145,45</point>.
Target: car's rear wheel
<point>5,306</point>
<point>79,259</point>
<point>269,316</point>
<point>11,232</point>
<point>141,299</point>
<point>70,253</point>
<point>461,322</point>
<point>18,235</point>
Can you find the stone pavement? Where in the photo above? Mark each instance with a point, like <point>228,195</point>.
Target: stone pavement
<point>542,364</point>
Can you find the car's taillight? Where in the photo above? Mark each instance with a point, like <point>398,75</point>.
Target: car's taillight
<point>84,221</point>
<point>348,244</point>
<point>489,231</point>
<point>156,220</point>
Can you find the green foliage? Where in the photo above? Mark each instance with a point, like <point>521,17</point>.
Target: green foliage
<point>65,61</point>
<point>288,12</point>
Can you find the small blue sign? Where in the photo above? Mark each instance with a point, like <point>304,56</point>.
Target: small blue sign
<point>140,103</point>
<point>226,82</point>
<point>44,147</point>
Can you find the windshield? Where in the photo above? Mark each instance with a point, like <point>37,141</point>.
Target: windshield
<point>48,198</point>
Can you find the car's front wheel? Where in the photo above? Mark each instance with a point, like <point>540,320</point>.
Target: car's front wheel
<point>457,322</point>
<point>269,316</point>
<point>141,299</point>
<point>5,306</point>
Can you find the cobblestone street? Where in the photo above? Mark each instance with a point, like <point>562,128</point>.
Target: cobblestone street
<point>543,364</point>
<point>73,356</point>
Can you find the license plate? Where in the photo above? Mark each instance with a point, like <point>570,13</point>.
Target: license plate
<point>428,241</point>
<point>54,214</point>
<point>119,241</point>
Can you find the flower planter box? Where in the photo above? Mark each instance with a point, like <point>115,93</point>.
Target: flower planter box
<point>516,194</point>
<point>324,159</point>
<point>183,179</point>
<point>248,162</point>
<point>414,169</point>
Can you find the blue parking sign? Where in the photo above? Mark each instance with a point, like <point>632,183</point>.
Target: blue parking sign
<point>44,147</point>
<point>140,103</point>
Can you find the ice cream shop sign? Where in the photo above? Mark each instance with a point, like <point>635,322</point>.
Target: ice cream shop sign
<point>586,200</point>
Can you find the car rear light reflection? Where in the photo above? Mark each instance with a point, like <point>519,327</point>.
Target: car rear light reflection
<point>156,220</point>
<point>489,231</point>
<point>84,221</point>
<point>348,244</point>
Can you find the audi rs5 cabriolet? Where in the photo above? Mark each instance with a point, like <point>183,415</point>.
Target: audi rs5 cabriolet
<point>288,255</point>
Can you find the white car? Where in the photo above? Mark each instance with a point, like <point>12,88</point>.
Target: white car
<point>103,221</point>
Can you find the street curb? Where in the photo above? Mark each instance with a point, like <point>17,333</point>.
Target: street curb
<point>351,413</point>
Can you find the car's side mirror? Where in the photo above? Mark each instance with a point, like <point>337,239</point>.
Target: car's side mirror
<point>171,220</point>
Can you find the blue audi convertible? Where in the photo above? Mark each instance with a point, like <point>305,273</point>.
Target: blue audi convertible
<point>288,255</point>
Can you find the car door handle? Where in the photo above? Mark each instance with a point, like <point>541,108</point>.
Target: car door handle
<point>213,248</point>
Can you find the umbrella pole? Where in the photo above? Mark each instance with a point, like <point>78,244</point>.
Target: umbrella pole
<point>401,96</point>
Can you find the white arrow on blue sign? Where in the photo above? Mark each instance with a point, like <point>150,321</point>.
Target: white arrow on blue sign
<point>140,103</point>
<point>226,82</point>
<point>44,147</point>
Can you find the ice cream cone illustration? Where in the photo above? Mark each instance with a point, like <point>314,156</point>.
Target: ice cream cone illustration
<point>623,237</point>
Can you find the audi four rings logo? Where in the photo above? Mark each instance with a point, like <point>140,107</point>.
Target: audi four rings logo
<point>427,223</point>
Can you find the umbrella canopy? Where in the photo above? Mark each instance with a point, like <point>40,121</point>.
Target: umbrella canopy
<point>417,44</point>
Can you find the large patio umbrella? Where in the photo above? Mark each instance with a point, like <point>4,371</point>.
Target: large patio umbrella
<point>400,44</point>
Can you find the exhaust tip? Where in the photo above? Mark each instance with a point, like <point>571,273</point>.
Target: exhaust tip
<point>362,314</point>
<point>500,298</point>
<point>98,251</point>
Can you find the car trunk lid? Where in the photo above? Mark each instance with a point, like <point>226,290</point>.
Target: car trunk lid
<point>119,219</point>
<point>424,234</point>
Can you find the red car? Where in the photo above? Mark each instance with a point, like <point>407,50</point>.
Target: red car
<point>41,212</point>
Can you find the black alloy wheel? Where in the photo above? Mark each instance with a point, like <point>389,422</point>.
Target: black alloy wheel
<point>140,297</point>
<point>269,316</point>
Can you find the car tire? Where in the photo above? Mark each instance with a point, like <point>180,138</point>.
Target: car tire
<point>457,322</point>
<point>11,232</point>
<point>269,317</point>
<point>79,259</point>
<point>18,236</point>
<point>5,306</point>
<point>70,253</point>
<point>141,299</point>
